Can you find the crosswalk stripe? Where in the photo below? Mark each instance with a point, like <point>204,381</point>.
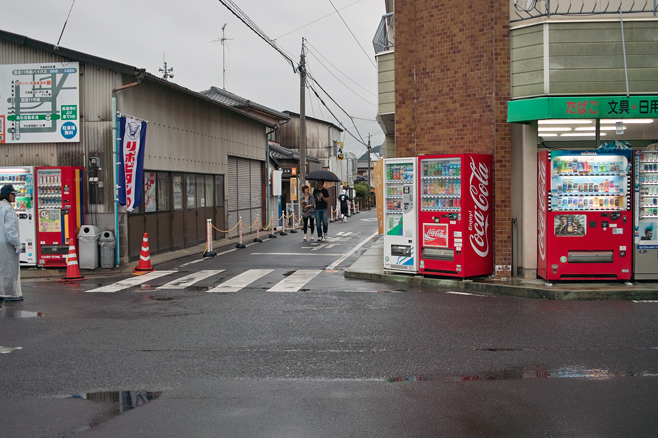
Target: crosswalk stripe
<point>129,282</point>
<point>189,280</point>
<point>241,281</point>
<point>295,281</point>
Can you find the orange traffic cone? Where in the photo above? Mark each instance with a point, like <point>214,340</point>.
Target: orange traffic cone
<point>72,270</point>
<point>144,264</point>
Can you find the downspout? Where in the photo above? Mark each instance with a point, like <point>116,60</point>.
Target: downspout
<point>267,169</point>
<point>115,156</point>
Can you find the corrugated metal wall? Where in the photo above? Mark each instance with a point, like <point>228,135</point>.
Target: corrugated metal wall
<point>584,58</point>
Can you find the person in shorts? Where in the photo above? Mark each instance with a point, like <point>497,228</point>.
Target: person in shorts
<point>344,205</point>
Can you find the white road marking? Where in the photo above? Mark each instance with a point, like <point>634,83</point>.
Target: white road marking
<point>645,301</point>
<point>241,281</point>
<point>466,293</point>
<point>295,281</point>
<point>189,280</point>
<point>294,253</point>
<point>195,261</point>
<point>352,251</point>
<point>372,219</point>
<point>132,281</point>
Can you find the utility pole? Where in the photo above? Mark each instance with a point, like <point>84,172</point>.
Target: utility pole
<point>368,170</point>
<point>302,117</point>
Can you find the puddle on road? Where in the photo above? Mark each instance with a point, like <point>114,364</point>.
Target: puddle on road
<point>4,350</point>
<point>118,402</point>
<point>14,313</point>
<point>538,372</point>
<point>156,298</point>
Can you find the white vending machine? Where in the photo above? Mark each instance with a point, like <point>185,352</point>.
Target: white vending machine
<point>400,215</point>
<point>22,178</point>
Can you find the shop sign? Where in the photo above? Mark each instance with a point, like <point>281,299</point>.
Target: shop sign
<point>582,107</point>
<point>289,171</point>
<point>40,103</point>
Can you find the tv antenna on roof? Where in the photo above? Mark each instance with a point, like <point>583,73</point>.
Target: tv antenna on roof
<point>223,40</point>
<point>168,72</point>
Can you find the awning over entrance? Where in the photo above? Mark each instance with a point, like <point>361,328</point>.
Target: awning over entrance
<point>582,107</point>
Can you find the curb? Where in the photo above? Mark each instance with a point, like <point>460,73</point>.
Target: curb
<point>625,293</point>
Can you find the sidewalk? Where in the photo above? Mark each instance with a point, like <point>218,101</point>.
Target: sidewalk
<point>370,266</point>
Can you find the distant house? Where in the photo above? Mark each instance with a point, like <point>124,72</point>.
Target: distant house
<point>362,164</point>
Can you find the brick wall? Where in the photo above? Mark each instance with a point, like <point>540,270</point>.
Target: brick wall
<point>452,85</point>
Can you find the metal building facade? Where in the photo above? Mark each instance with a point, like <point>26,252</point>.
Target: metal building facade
<point>189,140</point>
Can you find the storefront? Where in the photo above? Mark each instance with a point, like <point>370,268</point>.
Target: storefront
<point>173,202</point>
<point>580,124</point>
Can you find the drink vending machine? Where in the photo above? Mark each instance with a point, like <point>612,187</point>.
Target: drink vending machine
<point>645,254</point>
<point>22,178</point>
<point>400,215</point>
<point>456,215</point>
<point>60,212</point>
<point>585,227</point>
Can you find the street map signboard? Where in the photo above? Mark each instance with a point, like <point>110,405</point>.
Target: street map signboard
<point>39,103</point>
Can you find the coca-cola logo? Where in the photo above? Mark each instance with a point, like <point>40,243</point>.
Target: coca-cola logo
<point>541,213</point>
<point>480,221</point>
<point>434,233</point>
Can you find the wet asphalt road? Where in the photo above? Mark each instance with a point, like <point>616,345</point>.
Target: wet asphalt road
<point>337,358</point>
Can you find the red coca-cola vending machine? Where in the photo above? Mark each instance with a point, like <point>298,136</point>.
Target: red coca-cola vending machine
<point>60,212</point>
<point>456,214</point>
<point>584,223</point>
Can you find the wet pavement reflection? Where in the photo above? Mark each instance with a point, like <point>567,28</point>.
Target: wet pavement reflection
<point>15,313</point>
<point>118,402</point>
<point>537,372</point>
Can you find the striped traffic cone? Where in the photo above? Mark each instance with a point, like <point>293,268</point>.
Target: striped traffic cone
<point>72,269</point>
<point>144,264</point>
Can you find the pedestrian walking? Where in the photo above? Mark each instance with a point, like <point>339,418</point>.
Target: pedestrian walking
<point>308,213</point>
<point>10,247</point>
<point>321,196</point>
<point>344,205</point>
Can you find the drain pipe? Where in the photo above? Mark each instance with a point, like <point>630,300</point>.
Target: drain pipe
<point>267,168</point>
<point>115,157</point>
<point>515,234</point>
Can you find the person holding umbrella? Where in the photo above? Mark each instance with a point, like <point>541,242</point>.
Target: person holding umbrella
<point>10,247</point>
<point>321,196</point>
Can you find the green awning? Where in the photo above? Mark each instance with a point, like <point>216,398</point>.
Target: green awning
<point>582,107</point>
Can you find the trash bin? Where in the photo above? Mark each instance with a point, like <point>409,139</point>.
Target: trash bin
<point>107,244</point>
<point>88,247</point>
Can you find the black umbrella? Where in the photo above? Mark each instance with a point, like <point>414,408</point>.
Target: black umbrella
<point>324,175</point>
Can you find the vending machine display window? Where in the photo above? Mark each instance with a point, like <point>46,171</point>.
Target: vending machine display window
<point>22,178</point>
<point>589,182</point>
<point>440,186</point>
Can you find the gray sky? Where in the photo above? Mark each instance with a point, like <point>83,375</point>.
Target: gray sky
<point>138,32</point>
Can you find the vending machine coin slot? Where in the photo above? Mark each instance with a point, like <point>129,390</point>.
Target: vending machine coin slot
<point>622,253</point>
<point>604,224</point>
<point>436,219</point>
<point>624,220</point>
<point>407,197</point>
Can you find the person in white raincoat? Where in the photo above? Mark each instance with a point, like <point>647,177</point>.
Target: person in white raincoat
<point>10,247</point>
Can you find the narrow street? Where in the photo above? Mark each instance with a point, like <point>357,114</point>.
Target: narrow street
<point>272,340</point>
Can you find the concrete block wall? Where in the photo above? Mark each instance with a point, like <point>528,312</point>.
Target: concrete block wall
<point>452,85</point>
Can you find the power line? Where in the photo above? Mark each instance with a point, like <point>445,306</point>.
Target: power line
<point>355,93</point>
<point>315,21</point>
<point>323,57</point>
<point>251,25</point>
<point>333,115</point>
<point>348,28</point>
